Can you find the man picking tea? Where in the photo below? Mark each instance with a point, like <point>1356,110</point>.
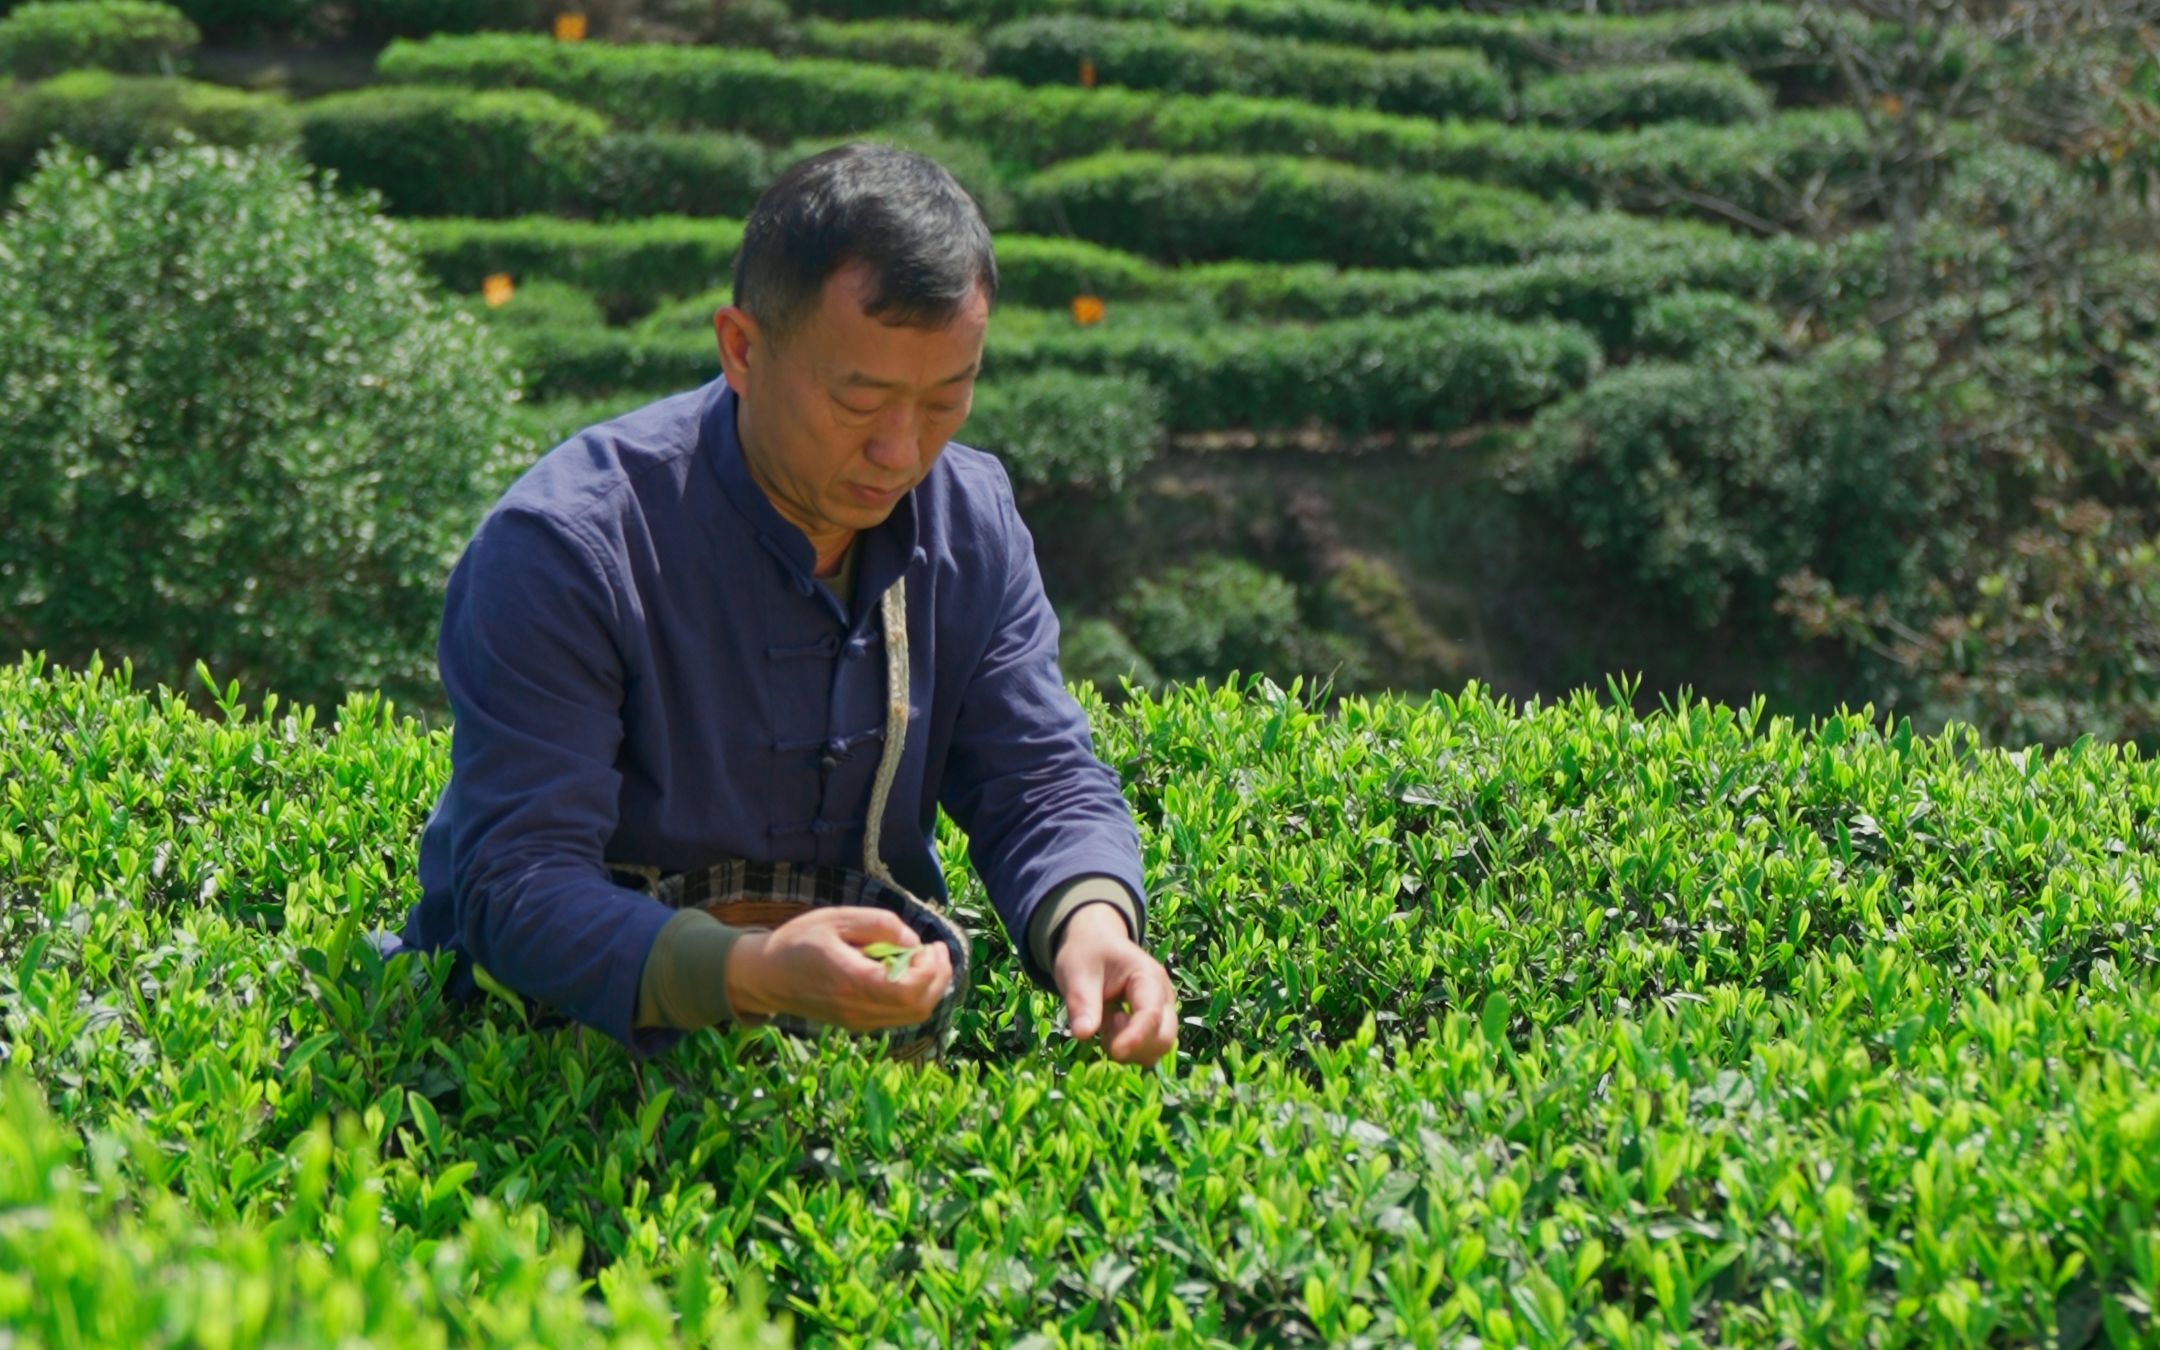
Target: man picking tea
<point>715,664</point>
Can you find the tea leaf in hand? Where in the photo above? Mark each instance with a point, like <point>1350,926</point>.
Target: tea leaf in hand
<point>896,958</point>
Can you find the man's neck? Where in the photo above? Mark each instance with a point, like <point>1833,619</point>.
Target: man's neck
<point>830,546</point>
<point>828,564</point>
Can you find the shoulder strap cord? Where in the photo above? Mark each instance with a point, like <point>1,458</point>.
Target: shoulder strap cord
<point>894,612</point>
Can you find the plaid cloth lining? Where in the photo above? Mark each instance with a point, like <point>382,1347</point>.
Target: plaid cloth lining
<point>765,895</point>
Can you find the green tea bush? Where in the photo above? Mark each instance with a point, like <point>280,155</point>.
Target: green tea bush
<point>1278,209</point>
<point>1753,167</point>
<point>1219,614</point>
<point>116,117</point>
<point>452,152</point>
<point>1544,1024</point>
<point>1607,293</point>
<point>1059,431</point>
<point>675,173</point>
<point>1096,652</point>
<point>94,1259</point>
<point>1147,54</point>
<point>134,37</point>
<point>1705,327</point>
<point>1630,96</point>
<point>1685,473</point>
<point>239,427</point>
<point>891,42</point>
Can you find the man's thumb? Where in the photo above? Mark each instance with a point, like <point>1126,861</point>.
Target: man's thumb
<point>867,923</point>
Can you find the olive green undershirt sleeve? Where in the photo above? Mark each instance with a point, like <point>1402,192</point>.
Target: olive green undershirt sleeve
<point>684,986</point>
<point>1046,928</point>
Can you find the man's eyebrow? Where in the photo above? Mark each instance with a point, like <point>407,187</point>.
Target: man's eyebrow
<point>855,379</point>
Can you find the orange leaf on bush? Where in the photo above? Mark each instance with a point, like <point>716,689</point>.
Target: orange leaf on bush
<point>497,290</point>
<point>1087,309</point>
<point>570,27</point>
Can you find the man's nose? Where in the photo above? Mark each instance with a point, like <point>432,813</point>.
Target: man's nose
<point>893,445</point>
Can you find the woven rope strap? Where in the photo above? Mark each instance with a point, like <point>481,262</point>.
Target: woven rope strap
<point>894,613</point>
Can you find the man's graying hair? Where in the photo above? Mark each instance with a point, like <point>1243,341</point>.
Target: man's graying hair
<point>901,213</point>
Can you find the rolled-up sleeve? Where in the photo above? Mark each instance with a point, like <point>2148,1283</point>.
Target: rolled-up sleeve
<point>1022,779</point>
<point>534,678</point>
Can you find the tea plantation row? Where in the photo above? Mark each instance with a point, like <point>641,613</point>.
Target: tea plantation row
<point>1540,1026</point>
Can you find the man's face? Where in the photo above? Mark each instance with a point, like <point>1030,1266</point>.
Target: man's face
<point>848,414</point>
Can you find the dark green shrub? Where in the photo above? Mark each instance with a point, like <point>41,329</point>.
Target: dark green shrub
<point>1704,327</point>
<point>891,42</point>
<point>1058,431</point>
<point>1684,477</point>
<point>133,37</point>
<point>1148,55</point>
<point>239,427</point>
<point>455,152</point>
<point>116,116</point>
<point>1620,99</point>
<point>1097,652</point>
<point>1218,615</point>
<point>1278,209</point>
<point>676,173</point>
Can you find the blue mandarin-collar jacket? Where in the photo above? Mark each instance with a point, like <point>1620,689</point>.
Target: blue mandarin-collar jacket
<point>643,669</point>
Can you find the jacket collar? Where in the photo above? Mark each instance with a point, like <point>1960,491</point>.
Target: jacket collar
<point>887,551</point>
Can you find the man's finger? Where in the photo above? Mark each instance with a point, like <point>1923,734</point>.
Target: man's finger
<point>1151,999</point>
<point>1083,1004</point>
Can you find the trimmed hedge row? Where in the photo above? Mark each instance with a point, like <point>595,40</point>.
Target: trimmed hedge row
<point>777,99</point>
<point>1750,35</point>
<point>1205,208</point>
<point>1430,372</point>
<point>1630,96</point>
<point>447,152</point>
<point>458,152</point>
<point>129,37</point>
<point>1571,1024</point>
<point>117,116</point>
<point>1596,271</point>
<point>1435,82</point>
<point>635,265</point>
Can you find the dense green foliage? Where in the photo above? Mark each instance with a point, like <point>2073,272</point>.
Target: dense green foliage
<point>238,426</point>
<point>92,1259</point>
<point>130,36</point>
<point>1550,1026</point>
<point>115,117</point>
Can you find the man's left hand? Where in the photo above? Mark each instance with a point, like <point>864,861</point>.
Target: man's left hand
<point>1098,967</point>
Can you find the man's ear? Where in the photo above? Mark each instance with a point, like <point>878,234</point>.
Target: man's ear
<point>739,341</point>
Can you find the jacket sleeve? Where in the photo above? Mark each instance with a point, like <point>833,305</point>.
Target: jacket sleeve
<point>534,679</point>
<point>1021,778</point>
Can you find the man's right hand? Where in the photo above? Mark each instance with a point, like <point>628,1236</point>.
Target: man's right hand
<point>813,967</point>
